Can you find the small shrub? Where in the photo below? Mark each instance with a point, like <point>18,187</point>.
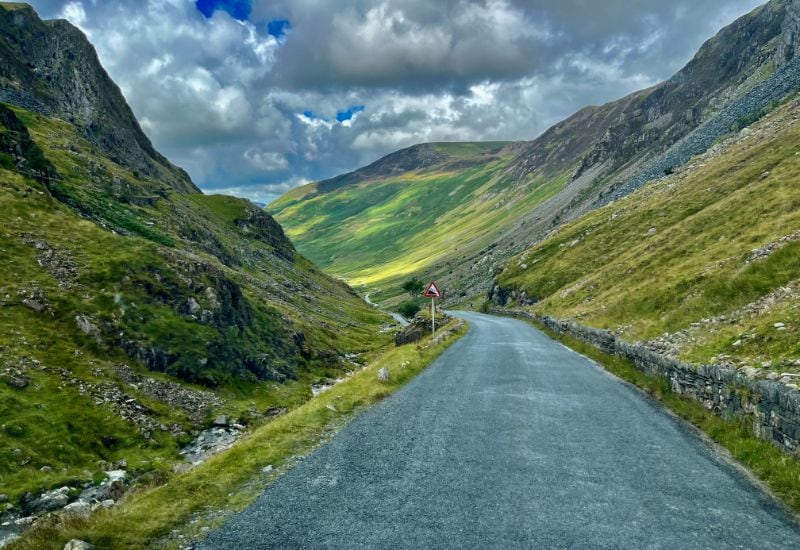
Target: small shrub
<point>7,161</point>
<point>408,309</point>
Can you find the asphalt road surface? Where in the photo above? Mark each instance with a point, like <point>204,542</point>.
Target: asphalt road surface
<point>510,440</point>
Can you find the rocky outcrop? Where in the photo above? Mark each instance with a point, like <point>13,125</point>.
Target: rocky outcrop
<point>411,333</point>
<point>195,403</point>
<point>260,225</point>
<point>789,46</point>
<point>773,407</point>
<point>49,67</point>
<point>19,152</point>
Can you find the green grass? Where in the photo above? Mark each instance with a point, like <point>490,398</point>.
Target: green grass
<point>674,253</point>
<point>382,230</point>
<point>233,479</point>
<point>777,470</point>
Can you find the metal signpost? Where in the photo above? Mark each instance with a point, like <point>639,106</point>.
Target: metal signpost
<point>432,291</point>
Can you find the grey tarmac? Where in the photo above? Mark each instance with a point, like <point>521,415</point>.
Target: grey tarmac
<point>510,440</point>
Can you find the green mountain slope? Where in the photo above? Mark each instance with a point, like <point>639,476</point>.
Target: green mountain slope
<point>457,215</point>
<point>701,264</point>
<point>377,225</point>
<point>133,308</point>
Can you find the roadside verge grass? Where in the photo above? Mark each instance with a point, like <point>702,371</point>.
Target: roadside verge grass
<point>779,472</point>
<point>231,480</point>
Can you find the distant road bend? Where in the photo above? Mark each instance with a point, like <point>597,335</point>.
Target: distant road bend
<point>510,440</point>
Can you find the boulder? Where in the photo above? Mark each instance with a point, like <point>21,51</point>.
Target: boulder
<point>116,475</point>
<point>410,334</point>
<point>46,502</point>
<point>76,544</point>
<point>19,382</point>
<point>78,509</point>
<point>192,306</point>
<point>222,421</point>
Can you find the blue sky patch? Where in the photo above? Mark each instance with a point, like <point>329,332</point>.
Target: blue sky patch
<point>347,114</point>
<point>238,9</point>
<point>278,27</point>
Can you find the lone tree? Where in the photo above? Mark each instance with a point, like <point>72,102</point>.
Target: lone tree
<point>414,287</point>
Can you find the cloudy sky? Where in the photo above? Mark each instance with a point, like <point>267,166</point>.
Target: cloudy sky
<point>254,97</point>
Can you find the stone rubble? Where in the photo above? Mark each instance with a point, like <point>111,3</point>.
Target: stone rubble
<point>758,254</point>
<point>671,344</point>
<point>62,501</point>
<point>210,442</point>
<point>779,85</point>
<point>193,402</point>
<point>58,263</point>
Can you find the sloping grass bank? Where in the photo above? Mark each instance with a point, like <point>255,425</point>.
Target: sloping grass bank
<point>777,470</point>
<point>231,480</point>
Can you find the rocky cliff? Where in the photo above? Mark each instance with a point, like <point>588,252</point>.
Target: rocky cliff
<point>49,67</point>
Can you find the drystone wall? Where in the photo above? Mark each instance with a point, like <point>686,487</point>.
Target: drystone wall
<point>773,406</point>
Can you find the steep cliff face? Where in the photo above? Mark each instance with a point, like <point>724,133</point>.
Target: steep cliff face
<point>49,67</point>
<point>619,137</point>
<point>789,46</point>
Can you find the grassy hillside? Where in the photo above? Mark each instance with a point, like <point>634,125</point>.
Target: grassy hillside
<point>703,263</point>
<point>192,502</point>
<point>384,228</point>
<point>102,268</point>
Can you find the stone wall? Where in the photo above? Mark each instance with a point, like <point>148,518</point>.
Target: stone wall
<point>773,406</point>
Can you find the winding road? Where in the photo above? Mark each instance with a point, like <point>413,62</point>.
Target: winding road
<point>402,321</point>
<point>510,440</point>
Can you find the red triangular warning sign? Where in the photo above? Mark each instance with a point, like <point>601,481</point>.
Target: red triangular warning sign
<point>432,291</point>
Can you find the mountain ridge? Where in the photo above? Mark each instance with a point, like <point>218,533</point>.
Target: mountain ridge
<point>52,69</point>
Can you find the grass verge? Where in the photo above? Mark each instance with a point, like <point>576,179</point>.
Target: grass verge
<point>777,470</point>
<point>231,480</point>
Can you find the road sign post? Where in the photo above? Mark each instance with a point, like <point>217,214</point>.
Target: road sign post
<point>432,291</point>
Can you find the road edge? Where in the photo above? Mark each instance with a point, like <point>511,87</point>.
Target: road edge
<point>654,393</point>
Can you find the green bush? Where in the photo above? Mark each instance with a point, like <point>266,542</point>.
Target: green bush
<point>408,309</point>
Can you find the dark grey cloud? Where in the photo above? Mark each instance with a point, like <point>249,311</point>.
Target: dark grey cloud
<point>253,114</point>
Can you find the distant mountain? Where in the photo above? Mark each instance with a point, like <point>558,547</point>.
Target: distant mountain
<point>123,287</point>
<point>458,221</point>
